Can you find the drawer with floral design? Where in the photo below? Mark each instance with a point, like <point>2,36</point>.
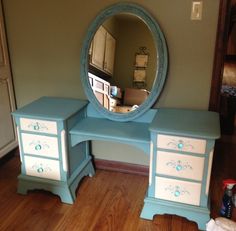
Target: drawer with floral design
<point>183,144</point>
<point>178,191</point>
<point>37,125</point>
<point>41,167</point>
<point>179,165</point>
<point>46,146</point>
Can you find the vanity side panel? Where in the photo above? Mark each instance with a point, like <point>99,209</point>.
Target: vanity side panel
<point>78,153</point>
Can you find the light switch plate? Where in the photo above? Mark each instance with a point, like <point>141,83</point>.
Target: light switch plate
<point>196,12</point>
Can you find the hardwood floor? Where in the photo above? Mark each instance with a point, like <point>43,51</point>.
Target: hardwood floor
<point>106,202</point>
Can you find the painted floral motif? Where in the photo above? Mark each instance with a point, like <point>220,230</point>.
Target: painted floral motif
<point>177,190</point>
<point>179,165</point>
<point>39,145</point>
<point>38,126</point>
<point>180,145</point>
<point>40,168</point>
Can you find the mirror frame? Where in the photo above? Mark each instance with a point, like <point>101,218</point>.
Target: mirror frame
<point>162,60</point>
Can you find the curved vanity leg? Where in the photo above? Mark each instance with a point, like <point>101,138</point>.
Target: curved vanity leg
<point>22,187</point>
<point>153,206</point>
<point>87,170</point>
<point>26,183</point>
<point>65,190</point>
<point>65,195</point>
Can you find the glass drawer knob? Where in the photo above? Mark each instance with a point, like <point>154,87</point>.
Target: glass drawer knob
<point>40,170</point>
<point>38,147</point>
<point>179,167</point>
<point>177,193</point>
<point>180,145</point>
<point>36,127</point>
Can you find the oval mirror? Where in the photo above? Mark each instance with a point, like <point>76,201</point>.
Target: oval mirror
<point>123,62</point>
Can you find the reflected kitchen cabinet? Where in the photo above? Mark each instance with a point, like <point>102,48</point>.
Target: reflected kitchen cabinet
<point>103,51</point>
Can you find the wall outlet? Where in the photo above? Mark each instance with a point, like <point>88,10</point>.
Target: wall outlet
<point>196,12</point>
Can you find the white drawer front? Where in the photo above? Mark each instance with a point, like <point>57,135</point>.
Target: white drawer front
<point>40,145</point>
<point>42,126</point>
<point>178,191</point>
<point>44,168</point>
<point>179,165</point>
<point>181,144</point>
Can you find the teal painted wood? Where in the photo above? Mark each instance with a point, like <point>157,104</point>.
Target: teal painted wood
<point>162,59</point>
<point>194,213</point>
<point>146,117</point>
<point>132,133</point>
<point>202,125</point>
<point>60,188</point>
<point>55,108</point>
<point>194,123</point>
<point>74,164</point>
<point>64,189</point>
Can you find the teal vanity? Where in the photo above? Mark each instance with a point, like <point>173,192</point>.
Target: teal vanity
<point>54,135</point>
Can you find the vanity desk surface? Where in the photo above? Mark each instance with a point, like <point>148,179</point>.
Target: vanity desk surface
<point>195,123</point>
<point>95,127</point>
<point>56,108</point>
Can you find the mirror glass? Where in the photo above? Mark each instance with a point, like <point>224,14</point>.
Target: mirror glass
<point>123,62</point>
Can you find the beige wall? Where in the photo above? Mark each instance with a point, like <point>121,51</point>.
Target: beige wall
<point>45,39</point>
<point>132,35</point>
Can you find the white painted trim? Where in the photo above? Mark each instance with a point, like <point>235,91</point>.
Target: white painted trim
<point>209,172</point>
<point>18,136</point>
<point>151,162</point>
<point>64,151</point>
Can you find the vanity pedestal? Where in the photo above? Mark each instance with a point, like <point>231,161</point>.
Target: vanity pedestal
<point>182,145</point>
<point>48,161</point>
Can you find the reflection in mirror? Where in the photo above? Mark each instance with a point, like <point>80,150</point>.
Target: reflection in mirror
<point>122,63</point>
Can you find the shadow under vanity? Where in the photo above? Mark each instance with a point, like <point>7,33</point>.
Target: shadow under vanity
<point>54,135</point>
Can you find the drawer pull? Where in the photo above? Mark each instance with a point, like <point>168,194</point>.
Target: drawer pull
<point>40,168</point>
<point>179,165</point>
<point>177,191</point>
<point>38,146</point>
<point>36,126</point>
<point>180,145</point>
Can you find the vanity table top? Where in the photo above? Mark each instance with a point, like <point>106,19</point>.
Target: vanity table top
<point>51,108</point>
<point>194,123</point>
